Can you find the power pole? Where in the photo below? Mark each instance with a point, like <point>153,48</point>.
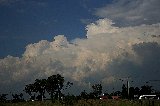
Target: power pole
<point>128,86</point>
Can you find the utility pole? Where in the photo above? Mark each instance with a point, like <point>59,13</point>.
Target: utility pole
<point>128,86</point>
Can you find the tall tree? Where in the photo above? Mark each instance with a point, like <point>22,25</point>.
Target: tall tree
<point>131,92</point>
<point>54,85</point>
<point>124,91</point>
<point>97,89</point>
<point>40,86</point>
<point>30,89</point>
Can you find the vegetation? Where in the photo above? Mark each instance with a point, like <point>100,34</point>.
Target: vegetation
<point>54,84</point>
<point>90,102</point>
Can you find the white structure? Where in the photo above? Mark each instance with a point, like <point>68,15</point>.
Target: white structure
<point>146,96</point>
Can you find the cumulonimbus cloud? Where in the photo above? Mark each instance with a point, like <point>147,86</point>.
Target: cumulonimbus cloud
<point>107,54</point>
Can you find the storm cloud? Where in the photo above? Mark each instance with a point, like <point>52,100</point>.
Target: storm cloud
<point>107,54</point>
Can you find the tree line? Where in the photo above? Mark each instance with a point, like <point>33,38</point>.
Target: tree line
<point>54,85</point>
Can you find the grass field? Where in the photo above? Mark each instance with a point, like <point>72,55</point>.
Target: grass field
<point>88,103</point>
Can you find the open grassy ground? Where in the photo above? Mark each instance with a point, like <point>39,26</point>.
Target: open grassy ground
<point>88,103</point>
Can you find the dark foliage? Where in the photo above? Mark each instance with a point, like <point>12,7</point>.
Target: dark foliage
<point>3,97</point>
<point>17,98</point>
<point>124,92</point>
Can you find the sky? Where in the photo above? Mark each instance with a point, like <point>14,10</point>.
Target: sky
<point>86,41</point>
<point>28,21</point>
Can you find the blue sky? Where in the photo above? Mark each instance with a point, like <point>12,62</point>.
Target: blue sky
<point>28,21</point>
<point>86,41</point>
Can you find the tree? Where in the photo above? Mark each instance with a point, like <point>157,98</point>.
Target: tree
<point>30,89</point>
<point>3,97</point>
<point>146,90</point>
<point>117,93</point>
<point>131,92</point>
<point>124,91</point>
<point>84,95</point>
<point>68,85</point>
<point>17,97</point>
<point>54,85</point>
<point>137,91</point>
<point>97,89</point>
<point>40,86</point>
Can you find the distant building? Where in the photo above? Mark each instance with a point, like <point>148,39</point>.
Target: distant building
<point>115,97</point>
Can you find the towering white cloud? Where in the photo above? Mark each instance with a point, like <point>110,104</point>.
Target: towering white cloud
<point>108,53</point>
